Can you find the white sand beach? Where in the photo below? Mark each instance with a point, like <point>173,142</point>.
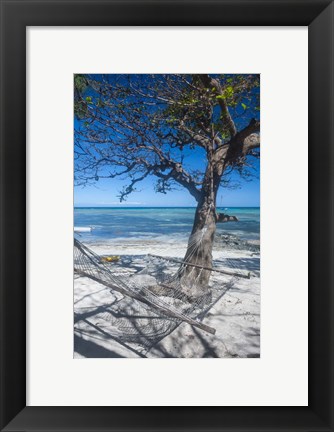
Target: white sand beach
<point>235,316</point>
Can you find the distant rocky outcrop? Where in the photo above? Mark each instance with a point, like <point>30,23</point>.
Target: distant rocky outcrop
<point>230,241</point>
<point>222,217</point>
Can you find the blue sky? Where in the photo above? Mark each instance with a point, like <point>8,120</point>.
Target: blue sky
<point>105,191</point>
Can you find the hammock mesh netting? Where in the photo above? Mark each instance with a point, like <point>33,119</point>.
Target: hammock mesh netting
<point>147,306</point>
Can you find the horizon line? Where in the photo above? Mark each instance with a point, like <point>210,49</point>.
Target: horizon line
<point>153,206</point>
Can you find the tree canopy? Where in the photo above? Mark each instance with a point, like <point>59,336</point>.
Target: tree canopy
<point>134,126</point>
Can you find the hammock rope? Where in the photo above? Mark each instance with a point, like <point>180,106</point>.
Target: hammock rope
<point>150,304</point>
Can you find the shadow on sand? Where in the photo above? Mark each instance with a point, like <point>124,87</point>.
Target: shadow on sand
<point>88,348</point>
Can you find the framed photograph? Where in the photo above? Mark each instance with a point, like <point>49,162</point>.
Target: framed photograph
<point>172,134</point>
<point>158,271</point>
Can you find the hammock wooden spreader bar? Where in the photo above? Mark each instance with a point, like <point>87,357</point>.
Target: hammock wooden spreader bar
<point>164,309</point>
<point>241,275</point>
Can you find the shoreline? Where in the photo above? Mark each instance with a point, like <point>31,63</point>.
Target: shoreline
<point>224,241</point>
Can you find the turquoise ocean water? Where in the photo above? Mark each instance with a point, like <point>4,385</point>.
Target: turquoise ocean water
<point>159,223</point>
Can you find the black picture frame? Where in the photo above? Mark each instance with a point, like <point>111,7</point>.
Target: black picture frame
<point>16,15</point>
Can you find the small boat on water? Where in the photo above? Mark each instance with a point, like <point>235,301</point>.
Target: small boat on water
<point>82,229</point>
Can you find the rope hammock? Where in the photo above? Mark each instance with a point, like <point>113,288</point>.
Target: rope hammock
<point>150,304</point>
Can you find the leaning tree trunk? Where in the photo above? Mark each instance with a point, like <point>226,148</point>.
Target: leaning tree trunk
<point>195,279</point>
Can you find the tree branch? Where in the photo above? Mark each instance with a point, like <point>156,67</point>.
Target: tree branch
<point>203,142</point>
<point>238,147</point>
<point>213,84</point>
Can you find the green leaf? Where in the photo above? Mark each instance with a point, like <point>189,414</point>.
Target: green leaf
<point>80,83</point>
<point>244,106</point>
<point>229,91</point>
